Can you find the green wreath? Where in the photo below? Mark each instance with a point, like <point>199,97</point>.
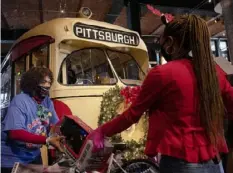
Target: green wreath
<point>109,104</point>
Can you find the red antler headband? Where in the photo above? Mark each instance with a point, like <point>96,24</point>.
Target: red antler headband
<point>166,18</point>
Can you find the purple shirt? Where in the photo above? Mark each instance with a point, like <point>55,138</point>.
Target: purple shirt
<point>22,114</point>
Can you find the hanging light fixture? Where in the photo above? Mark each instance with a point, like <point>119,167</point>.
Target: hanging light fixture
<point>62,6</point>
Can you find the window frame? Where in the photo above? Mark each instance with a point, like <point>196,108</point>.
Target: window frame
<point>214,52</point>
<point>14,72</point>
<point>42,40</point>
<point>226,51</point>
<point>37,48</point>
<point>217,45</point>
<point>29,54</point>
<point>75,85</point>
<point>127,61</point>
<point>3,71</point>
<point>48,41</point>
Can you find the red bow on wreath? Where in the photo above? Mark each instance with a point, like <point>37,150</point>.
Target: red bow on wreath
<point>130,93</point>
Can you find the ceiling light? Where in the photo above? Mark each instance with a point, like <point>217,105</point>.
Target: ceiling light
<point>62,11</point>
<point>209,1</point>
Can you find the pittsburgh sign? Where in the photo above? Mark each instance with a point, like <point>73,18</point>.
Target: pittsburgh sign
<point>104,34</point>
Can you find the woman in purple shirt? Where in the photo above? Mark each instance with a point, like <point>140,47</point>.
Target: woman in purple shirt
<point>28,120</point>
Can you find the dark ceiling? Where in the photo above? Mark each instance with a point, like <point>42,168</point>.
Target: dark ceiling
<point>200,4</point>
<point>24,14</point>
<point>17,16</point>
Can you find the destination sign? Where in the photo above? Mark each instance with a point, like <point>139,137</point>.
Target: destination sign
<point>105,34</point>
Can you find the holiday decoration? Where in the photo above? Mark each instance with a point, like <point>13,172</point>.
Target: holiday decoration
<point>116,101</point>
<point>130,94</point>
<point>155,11</point>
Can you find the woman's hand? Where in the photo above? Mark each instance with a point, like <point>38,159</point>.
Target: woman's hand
<point>56,142</point>
<point>98,139</point>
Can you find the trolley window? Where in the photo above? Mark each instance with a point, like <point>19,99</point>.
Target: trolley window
<point>126,68</point>
<point>19,69</point>
<point>213,47</point>
<point>40,56</point>
<point>223,48</point>
<point>5,86</point>
<point>86,67</point>
<point>5,89</point>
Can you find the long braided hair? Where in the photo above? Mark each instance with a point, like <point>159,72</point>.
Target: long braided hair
<point>193,34</point>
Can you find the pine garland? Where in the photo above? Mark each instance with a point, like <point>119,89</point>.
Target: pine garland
<point>110,102</point>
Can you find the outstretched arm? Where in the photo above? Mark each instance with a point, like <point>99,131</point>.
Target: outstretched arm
<point>150,93</point>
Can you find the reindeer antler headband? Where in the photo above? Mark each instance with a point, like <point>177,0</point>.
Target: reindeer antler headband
<point>165,18</point>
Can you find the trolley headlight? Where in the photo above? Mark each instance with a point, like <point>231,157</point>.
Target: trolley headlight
<point>85,12</point>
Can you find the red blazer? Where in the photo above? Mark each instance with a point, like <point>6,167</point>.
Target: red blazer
<point>169,92</point>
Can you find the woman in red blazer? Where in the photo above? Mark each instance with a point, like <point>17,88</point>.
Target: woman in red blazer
<point>186,99</point>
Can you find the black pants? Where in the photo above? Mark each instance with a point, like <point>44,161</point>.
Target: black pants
<point>170,164</point>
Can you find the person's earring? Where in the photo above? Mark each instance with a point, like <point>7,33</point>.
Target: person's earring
<point>170,50</point>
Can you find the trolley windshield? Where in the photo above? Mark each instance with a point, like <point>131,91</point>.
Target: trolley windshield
<point>95,66</point>
<point>127,69</point>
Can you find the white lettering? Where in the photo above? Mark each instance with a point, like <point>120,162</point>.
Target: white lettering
<point>126,39</point>
<point>114,37</point>
<point>131,39</point>
<point>95,33</point>
<point>84,32</point>
<point>88,33</point>
<point>120,38</point>
<point>101,35</point>
<point>108,36</point>
<point>79,30</point>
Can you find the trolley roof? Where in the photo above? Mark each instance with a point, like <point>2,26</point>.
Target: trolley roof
<point>64,29</point>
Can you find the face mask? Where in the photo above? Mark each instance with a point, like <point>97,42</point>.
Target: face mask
<point>166,56</point>
<point>42,92</point>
